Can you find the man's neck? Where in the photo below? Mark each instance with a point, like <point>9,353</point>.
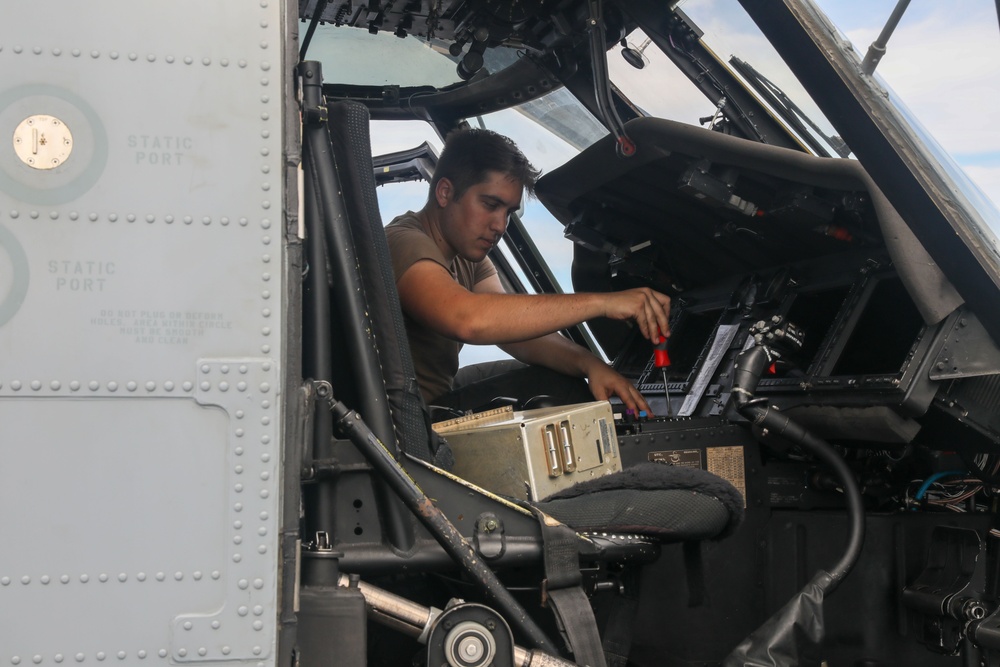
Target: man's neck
<point>430,220</point>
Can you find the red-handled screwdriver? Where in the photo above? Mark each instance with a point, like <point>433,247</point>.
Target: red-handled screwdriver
<point>662,361</point>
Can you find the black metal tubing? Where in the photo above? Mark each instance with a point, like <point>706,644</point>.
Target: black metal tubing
<point>749,366</point>
<point>348,295</point>
<point>350,424</point>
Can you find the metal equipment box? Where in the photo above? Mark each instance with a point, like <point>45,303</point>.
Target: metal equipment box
<point>532,454</point>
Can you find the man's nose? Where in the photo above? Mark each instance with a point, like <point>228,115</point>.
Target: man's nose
<point>498,224</point>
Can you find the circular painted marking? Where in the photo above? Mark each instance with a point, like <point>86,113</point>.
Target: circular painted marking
<point>18,263</point>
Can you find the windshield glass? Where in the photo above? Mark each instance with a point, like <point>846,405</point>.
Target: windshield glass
<point>353,56</point>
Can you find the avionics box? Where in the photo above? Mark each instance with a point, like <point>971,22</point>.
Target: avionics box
<point>532,454</point>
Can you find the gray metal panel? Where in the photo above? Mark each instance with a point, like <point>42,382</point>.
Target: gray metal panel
<point>141,330</point>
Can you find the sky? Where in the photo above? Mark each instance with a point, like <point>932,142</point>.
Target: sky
<point>942,64</point>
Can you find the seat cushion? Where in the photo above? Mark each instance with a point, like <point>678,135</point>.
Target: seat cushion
<point>668,503</point>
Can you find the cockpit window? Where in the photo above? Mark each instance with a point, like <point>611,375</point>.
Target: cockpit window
<point>353,56</point>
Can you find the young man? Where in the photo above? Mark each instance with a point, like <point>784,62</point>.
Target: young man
<point>450,291</point>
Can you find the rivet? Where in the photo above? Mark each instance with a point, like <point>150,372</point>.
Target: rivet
<point>133,57</point>
<point>265,204</point>
<point>162,653</point>
<point>74,385</point>
<point>150,57</point>
<point>238,488</point>
<point>242,611</point>
<point>242,63</point>
<point>94,385</point>
<point>84,578</point>
<point>243,222</point>
<point>168,385</point>
<point>103,578</point>
<point>5,581</point>
<point>206,385</point>
<point>79,657</point>
<point>265,387</point>
<point>264,516</point>
<point>265,134</point>
<point>169,219</point>
<point>123,577</point>
<point>37,50</point>
<point>101,655</point>
<point>45,579</point>
<point>150,386</point>
<point>265,294</point>
<point>242,386</point>
<point>26,580</point>
<point>150,218</point>
<point>188,625</point>
<point>238,507</point>
<point>54,215</point>
<point>188,219</point>
<point>17,48</point>
<point>57,52</point>
<point>206,61</point>
<point>55,385</point>
<point>131,386</point>
<point>265,439</point>
<point>257,650</point>
<point>64,578</point>
<point>265,99</point>
<point>73,215</point>
<point>264,493</point>
<point>14,214</point>
<point>216,625</point>
<point>113,217</point>
<point>239,432</point>
<point>182,652</point>
<point>243,584</point>
<point>121,655</point>
<point>266,331</point>
<point>224,221</point>
<point>258,625</point>
<point>142,655</point>
<point>265,116</point>
<point>92,217</point>
<point>237,558</point>
<point>239,451</point>
<point>265,457</point>
<point>265,66</point>
<point>238,470</point>
<point>206,220</point>
<point>97,54</point>
<point>237,540</point>
<point>169,59</point>
<point>262,549</point>
<point>265,223</point>
<point>187,386</point>
<point>160,576</point>
<point>113,55</point>
<point>202,651</point>
<point>33,215</point>
<point>188,60</point>
<point>16,385</point>
<point>226,650</point>
<point>37,659</point>
<point>265,258</point>
<point>216,574</point>
<point>196,575</point>
<point>205,368</point>
<point>15,660</point>
<point>36,385</point>
<point>58,657</point>
<point>263,45</point>
<point>239,414</point>
<point>237,525</point>
<point>141,576</point>
<point>262,531</point>
<point>223,386</point>
<point>112,386</point>
<point>76,53</point>
<point>178,576</point>
<point>224,62</point>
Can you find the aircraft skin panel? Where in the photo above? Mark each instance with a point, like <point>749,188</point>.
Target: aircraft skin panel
<point>142,322</point>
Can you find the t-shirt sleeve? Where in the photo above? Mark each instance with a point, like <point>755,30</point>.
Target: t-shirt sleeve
<point>484,270</point>
<point>409,246</point>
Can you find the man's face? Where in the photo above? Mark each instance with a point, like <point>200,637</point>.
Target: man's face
<point>474,223</point>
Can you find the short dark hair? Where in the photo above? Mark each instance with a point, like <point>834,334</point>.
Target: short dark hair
<point>470,154</point>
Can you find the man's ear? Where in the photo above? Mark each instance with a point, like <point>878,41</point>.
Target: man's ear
<point>443,192</point>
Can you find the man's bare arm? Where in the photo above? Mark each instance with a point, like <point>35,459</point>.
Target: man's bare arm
<point>430,296</point>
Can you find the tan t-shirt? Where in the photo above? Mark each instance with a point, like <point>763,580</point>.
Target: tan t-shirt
<point>435,358</point>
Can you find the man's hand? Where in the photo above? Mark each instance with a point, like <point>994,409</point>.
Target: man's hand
<point>606,382</point>
<point>648,308</point>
